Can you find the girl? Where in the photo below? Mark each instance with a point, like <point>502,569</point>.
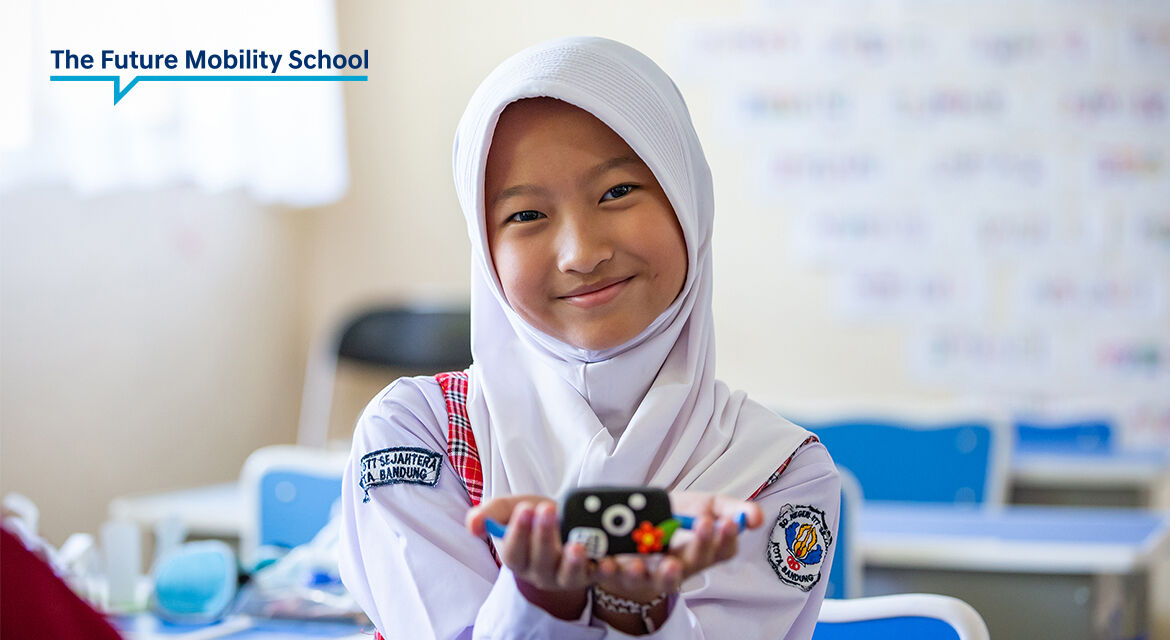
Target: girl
<point>589,205</point>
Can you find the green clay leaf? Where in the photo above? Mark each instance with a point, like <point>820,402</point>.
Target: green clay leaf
<point>668,528</point>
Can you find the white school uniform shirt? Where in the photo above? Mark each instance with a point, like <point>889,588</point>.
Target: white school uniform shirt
<point>408,560</point>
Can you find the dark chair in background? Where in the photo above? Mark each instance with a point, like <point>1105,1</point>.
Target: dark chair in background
<point>412,340</point>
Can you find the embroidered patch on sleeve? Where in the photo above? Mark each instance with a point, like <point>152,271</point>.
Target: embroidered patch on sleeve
<point>798,544</point>
<point>398,465</point>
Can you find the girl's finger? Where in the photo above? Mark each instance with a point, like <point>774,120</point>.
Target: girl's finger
<point>606,570</point>
<point>726,541</point>
<point>634,576</point>
<point>728,508</point>
<point>696,555</point>
<point>755,515</point>
<point>668,575</point>
<point>545,551</point>
<point>717,506</point>
<point>574,571</point>
<point>709,546</point>
<point>518,540</point>
<point>498,509</point>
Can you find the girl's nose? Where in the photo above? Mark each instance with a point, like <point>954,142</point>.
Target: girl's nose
<point>582,245</point>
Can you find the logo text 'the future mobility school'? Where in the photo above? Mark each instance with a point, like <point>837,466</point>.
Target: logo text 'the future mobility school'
<point>202,60</point>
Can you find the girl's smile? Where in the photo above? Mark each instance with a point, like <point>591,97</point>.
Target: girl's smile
<point>583,239</point>
<point>596,294</point>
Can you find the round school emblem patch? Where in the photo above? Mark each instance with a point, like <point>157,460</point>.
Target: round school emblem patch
<point>798,544</point>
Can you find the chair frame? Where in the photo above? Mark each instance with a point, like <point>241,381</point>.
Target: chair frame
<point>851,493</point>
<point>962,617</point>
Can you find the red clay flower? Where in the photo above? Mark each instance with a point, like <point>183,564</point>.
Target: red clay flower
<point>648,537</point>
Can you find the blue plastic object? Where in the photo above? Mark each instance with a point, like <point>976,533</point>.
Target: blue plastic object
<point>688,522</point>
<point>1086,436</point>
<point>294,507</point>
<point>496,529</point>
<point>196,582</point>
<point>894,461</point>
<point>902,628</point>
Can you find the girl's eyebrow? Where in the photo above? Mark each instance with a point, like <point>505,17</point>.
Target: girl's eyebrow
<point>517,190</point>
<point>590,175</point>
<point>609,165</point>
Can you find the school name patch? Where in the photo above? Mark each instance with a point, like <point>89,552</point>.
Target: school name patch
<point>798,545</point>
<point>399,465</point>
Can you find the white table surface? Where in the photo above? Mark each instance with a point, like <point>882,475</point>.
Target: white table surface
<point>211,511</point>
<point>1088,469</point>
<point>1033,539</point>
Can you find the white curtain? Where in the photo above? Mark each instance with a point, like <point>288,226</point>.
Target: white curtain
<point>282,142</point>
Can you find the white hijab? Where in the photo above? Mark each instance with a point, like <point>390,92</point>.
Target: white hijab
<point>549,416</point>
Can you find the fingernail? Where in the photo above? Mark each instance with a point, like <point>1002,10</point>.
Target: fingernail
<point>547,518</point>
<point>706,526</point>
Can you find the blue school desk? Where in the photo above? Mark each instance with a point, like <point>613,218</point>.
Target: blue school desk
<point>1030,571</point>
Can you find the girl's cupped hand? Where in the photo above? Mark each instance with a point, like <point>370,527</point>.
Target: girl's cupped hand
<point>532,547</point>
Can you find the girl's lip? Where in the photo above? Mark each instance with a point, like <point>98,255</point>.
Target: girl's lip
<point>598,294</point>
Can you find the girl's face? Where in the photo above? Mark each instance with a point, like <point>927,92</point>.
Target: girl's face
<point>582,236</point>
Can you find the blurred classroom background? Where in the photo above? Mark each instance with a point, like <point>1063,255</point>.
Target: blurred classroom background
<point>920,206</point>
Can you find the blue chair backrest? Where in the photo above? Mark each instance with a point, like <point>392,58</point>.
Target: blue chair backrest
<point>902,628</point>
<point>287,494</point>
<point>294,506</point>
<point>845,576</point>
<point>953,462</point>
<point>907,616</point>
<point>1052,435</point>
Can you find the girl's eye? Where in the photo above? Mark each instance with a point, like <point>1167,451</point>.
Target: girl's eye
<point>525,216</point>
<point>618,192</point>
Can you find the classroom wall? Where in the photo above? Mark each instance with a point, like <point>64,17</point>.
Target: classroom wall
<point>148,341</point>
